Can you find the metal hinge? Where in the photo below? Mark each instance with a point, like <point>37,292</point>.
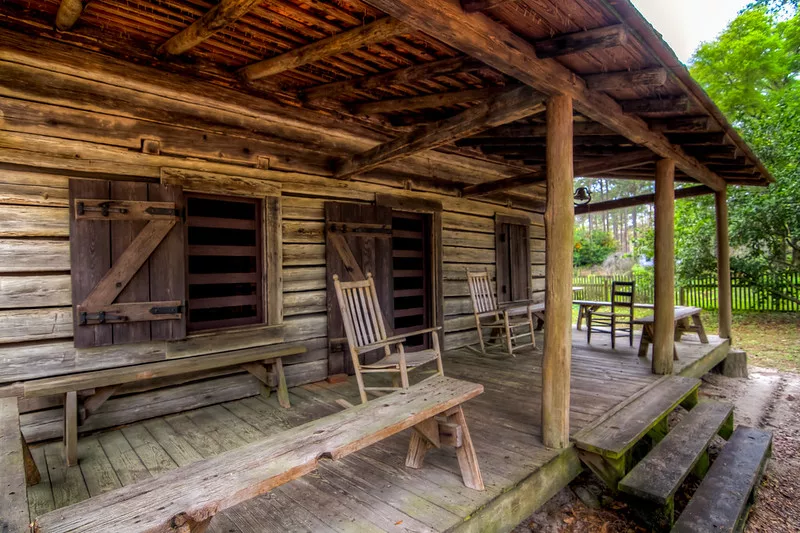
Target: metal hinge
<point>164,211</point>
<point>167,310</point>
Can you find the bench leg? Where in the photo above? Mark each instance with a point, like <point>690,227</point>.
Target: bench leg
<point>698,326</point>
<point>32,476</point>
<point>611,471</point>
<point>183,523</point>
<point>580,317</point>
<point>71,428</point>
<point>467,460</point>
<point>283,390</point>
<point>644,342</point>
<point>424,437</point>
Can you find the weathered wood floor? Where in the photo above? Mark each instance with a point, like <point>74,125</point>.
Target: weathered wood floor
<point>371,490</point>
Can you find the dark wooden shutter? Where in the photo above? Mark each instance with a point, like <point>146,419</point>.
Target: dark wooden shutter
<point>513,255</point>
<point>358,240</point>
<point>127,262</point>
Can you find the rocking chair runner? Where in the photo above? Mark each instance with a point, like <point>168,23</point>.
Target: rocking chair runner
<point>365,330</point>
<point>504,320</point>
<point>619,322</point>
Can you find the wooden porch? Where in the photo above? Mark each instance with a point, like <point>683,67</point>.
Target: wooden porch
<point>373,490</point>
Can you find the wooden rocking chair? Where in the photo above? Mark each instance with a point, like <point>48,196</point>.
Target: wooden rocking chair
<point>505,319</point>
<point>365,330</point>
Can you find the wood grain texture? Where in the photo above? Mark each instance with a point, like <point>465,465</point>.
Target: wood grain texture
<point>223,184</point>
<point>664,263</point>
<point>13,491</point>
<point>723,264</point>
<point>214,20</point>
<point>33,221</point>
<point>34,255</point>
<point>34,291</point>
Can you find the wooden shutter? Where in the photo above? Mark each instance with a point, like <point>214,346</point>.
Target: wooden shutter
<point>358,239</point>
<point>513,255</point>
<point>127,262</point>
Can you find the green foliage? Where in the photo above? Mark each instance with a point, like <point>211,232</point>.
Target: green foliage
<point>592,248</point>
<point>752,71</point>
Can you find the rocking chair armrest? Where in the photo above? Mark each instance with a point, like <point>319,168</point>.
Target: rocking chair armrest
<point>398,339</point>
<point>488,313</point>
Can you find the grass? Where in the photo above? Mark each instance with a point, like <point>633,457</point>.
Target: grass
<point>770,339</point>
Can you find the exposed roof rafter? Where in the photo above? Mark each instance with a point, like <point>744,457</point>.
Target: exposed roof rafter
<point>509,106</point>
<point>609,81</point>
<point>424,102</point>
<point>473,6</point>
<point>216,19</point>
<point>572,43</point>
<point>642,199</point>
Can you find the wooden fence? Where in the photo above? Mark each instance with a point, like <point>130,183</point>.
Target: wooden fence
<point>702,292</point>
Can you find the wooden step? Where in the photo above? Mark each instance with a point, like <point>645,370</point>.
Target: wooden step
<point>612,437</point>
<point>722,500</point>
<point>658,476</point>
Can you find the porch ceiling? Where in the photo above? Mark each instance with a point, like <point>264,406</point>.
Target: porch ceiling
<point>331,57</point>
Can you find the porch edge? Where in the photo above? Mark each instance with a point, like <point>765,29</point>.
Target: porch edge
<point>700,367</point>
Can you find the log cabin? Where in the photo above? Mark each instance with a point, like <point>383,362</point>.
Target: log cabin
<point>175,179</point>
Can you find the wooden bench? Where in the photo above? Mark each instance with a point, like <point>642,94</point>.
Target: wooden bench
<point>105,382</point>
<point>606,445</point>
<point>594,305</point>
<point>682,316</point>
<point>722,500</point>
<point>186,499</point>
<point>656,478</point>
<point>17,470</point>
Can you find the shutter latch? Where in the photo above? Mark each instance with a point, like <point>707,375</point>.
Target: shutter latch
<point>166,211</point>
<point>105,208</point>
<point>167,310</point>
<point>100,318</point>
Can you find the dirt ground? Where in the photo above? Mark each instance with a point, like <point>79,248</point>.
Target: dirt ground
<point>768,399</point>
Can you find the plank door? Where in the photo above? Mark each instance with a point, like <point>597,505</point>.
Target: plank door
<point>411,259</point>
<point>513,255</point>
<point>358,240</point>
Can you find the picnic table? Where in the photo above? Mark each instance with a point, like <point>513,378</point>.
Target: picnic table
<point>682,316</point>
<point>593,305</point>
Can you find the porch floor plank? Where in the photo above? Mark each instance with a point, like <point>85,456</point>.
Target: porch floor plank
<point>371,490</point>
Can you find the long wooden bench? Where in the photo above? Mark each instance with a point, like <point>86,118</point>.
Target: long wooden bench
<point>186,499</point>
<point>606,445</point>
<point>656,478</point>
<point>17,470</point>
<point>682,316</point>
<point>595,305</point>
<point>721,502</point>
<point>105,382</point>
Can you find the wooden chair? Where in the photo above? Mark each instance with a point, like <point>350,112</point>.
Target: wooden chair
<point>505,319</point>
<point>366,331</point>
<point>619,322</point>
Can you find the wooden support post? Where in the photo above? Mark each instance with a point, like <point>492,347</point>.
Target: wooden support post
<point>71,428</point>
<point>559,220</point>
<point>283,390</point>
<point>664,312</point>
<point>723,264</point>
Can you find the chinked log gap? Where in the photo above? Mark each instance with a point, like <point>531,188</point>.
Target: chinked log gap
<point>347,41</point>
<point>506,107</point>
<point>642,199</point>
<point>585,169</point>
<point>411,74</point>
<point>216,19</point>
<point>69,11</point>
<point>496,45</point>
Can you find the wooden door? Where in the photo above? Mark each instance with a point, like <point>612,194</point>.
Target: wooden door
<point>358,240</point>
<point>513,255</point>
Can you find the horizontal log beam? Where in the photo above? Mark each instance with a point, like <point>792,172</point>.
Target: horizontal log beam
<point>587,140</point>
<point>400,76</point>
<point>540,130</point>
<point>642,199</point>
<point>582,41</point>
<point>680,124</point>
<point>651,77</point>
<point>587,168</point>
<point>481,37</point>
<point>69,11</point>
<point>427,101</point>
<point>656,105</point>
<point>699,139</point>
<point>473,6</point>
<point>216,19</point>
<point>347,41</point>
<point>512,105</point>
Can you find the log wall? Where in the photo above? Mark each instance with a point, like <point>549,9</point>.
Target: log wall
<point>55,124</point>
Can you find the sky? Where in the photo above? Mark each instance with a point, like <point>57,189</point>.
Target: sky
<point>685,24</point>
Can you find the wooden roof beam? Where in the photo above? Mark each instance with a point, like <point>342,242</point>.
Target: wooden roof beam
<point>573,43</point>
<point>69,11</point>
<point>374,32</point>
<point>539,130</point>
<point>473,6</point>
<point>427,101</point>
<point>497,46</point>
<point>587,168</point>
<point>656,105</point>
<point>509,106</point>
<point>642,199</point>
<point>216,19</point>
<point>680,124</point>
<point>401,76</point>
<point>611,81</point>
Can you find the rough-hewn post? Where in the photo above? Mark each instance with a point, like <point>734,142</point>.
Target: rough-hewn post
<point>559,220</point>
<point>723,264</point>
<point>664,324</point>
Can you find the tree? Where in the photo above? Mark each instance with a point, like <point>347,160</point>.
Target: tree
<point>592,247</point>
